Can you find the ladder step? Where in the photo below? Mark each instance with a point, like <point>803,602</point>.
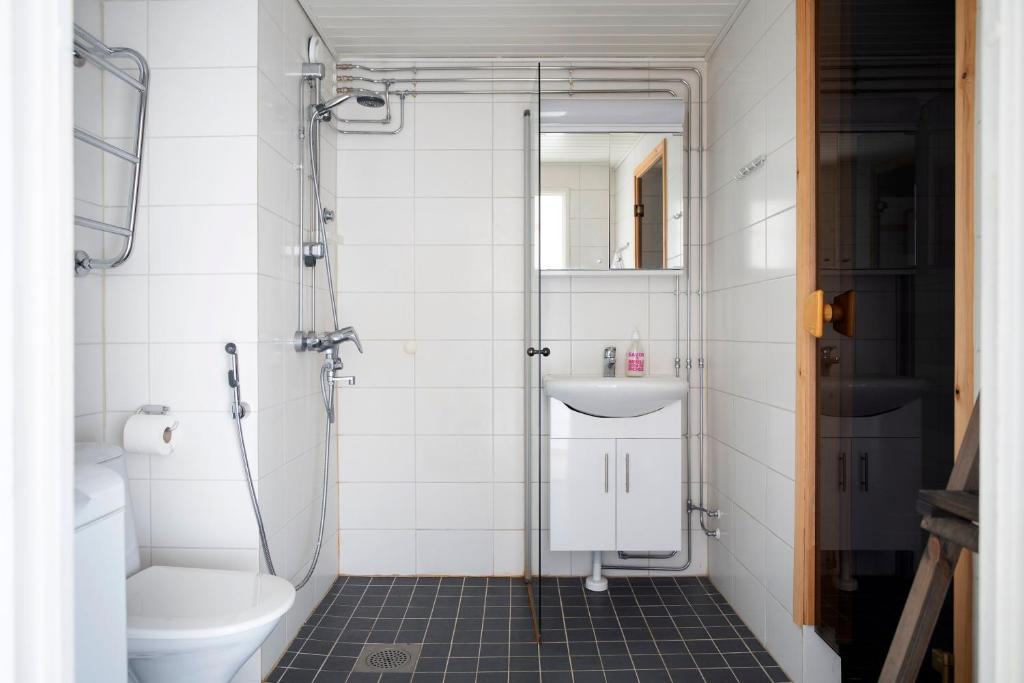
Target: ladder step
<point>953,530</point>
<point>962,504</point>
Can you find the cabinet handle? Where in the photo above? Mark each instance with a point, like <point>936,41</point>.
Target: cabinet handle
<point>606,473</point>
<point>627,472</point>
<point>842,471</point>
<point>863,471</point>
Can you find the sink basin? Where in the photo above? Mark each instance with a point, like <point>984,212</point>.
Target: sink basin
<point>867,396</point>
<point>615,396</point>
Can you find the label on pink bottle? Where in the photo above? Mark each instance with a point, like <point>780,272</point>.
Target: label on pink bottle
<point>635,361</point>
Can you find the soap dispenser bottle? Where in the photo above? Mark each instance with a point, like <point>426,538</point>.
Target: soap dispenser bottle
<point>636,359</point>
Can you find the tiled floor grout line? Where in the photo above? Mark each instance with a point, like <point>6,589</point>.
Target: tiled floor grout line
<point>342,629</point>
<point>669,608</point>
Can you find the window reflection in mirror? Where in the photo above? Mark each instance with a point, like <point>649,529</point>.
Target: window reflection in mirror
<point>589,201</point>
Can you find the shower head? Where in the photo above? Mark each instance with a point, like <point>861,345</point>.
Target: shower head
<point>364,96</point>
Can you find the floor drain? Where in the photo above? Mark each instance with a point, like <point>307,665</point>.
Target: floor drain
<point>388,658</point>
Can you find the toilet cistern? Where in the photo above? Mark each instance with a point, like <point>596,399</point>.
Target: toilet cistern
<point>609,361</point>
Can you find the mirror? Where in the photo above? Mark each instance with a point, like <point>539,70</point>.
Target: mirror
<point>611,201</point>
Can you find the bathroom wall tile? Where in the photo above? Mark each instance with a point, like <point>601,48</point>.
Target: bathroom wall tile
<point>194,33</point>
<point>370,220</point>
<point>453,411</point>
<point>176,317</point>
<point>508,553</point>
<point>182,510</point>
<point>378,315</point>
<point>376,174</point>
<point>453,316</point>
<point>453,173</point>
<point>453,364</point>
<point>454,458</point>
<point>443,127</point>
<point>375,269</point>
<point>202,239</point>
<point>190,102</point>
<point>376,506</point>
<point>454,506</point>
<point>378,552</point>
<point>455,552</point>
<point>376,411</point>
<point>191,376</point>
<point>453,269</point>
<point>453,220</point>
<point>221,170</point>
<point>377,458</point>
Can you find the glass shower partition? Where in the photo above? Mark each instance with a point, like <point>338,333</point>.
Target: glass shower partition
<point>533,361</point>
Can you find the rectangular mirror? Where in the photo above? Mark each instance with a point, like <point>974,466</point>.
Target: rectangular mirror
<point>611,201</point>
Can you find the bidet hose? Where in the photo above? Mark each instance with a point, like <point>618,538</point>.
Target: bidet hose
<point>327,394</point>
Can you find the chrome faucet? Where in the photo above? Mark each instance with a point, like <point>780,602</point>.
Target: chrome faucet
<point>609,361</point>
<point>327,340</point>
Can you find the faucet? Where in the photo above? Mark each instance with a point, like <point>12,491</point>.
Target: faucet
<point>609,361</point>
<point>327,341</point>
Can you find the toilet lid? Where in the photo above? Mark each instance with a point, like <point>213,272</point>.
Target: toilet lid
<point>185,602</point>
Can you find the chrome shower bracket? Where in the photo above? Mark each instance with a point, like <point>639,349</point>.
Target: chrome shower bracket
<point>312,252</point>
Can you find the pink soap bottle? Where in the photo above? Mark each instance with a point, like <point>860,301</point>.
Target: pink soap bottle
<point>636,359</point>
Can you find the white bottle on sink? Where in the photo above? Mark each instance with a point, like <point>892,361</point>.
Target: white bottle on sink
<point>636,358</point>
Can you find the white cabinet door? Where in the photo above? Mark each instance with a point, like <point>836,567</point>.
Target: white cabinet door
<point>650,483</point>
<point>582,494</point>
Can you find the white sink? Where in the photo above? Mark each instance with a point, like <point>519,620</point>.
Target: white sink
<point>615,396</point>
<point>867,396</point>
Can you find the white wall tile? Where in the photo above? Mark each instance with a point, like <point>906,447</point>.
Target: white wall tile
<point>454,506</point>
<point>376,506</point>
<point>453,174</point>
<point>455,552</point>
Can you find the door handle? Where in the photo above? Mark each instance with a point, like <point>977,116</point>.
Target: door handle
<point>606,473</point>
<point>864,472</point>
<point>627,472</point>
<point>841,313</point>
<point>842,471</point>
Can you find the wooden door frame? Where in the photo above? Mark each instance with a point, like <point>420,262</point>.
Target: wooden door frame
<point>660,152</point>
<point>804,577</point>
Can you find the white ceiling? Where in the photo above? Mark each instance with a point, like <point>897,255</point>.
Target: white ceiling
<point>587,148</point>
<point>572,29</point>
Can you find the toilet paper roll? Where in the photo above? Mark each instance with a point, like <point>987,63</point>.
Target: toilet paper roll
<point>150,434</point>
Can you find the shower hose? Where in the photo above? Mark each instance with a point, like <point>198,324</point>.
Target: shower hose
<point>238,411</point>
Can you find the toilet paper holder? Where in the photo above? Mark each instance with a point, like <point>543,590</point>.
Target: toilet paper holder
<point>153,409</point>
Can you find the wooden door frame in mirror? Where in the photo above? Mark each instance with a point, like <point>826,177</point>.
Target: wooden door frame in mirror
<point>660,152</point>
<point>804,588</point>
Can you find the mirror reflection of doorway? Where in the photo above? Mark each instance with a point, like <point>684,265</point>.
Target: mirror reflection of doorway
<point>649,209</point>
<point>885,238</point>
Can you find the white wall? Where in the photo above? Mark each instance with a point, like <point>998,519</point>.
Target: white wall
<point>623,191</point>
<point>291,418</point>
<point>214,262</point>
<point>431,455</point>
<point>750,332</point>
<point>590,198</point>
<point>431,465</point>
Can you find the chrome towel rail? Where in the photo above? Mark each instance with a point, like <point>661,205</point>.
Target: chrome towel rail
<point>90,49</point>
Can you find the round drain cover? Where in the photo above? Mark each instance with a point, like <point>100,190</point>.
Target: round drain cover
<point>388,659</point>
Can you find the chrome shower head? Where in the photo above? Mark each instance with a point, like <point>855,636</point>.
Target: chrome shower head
<point>365,97</point>
<point>370,99</point>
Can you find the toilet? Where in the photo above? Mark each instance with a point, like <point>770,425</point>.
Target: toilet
<point>186,623</point>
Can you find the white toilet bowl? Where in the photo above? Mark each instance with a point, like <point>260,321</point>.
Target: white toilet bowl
<point>189,625</point>
<point>199,625</point>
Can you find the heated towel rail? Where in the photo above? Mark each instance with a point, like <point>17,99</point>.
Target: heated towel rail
<point>88,48</point>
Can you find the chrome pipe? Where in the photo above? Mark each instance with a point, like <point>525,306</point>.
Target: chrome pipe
<point>589,91</point>
<point>507,79</point>
<point>512,67</point>
<point>396,131</point>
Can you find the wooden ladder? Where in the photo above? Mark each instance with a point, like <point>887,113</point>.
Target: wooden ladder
<point>950,518</point>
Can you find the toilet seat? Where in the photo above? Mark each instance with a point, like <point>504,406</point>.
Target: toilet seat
<point>171,603</point>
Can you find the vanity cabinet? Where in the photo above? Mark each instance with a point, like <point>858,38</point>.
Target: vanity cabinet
<point>613,493</point>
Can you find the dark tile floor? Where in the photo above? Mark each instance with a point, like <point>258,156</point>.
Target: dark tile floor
<point>478,630</point>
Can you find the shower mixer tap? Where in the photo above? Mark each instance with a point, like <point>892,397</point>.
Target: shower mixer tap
<point>327,342</point>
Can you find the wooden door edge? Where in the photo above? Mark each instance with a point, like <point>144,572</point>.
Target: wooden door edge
<point>804,581</point>
<point>963,268</point>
